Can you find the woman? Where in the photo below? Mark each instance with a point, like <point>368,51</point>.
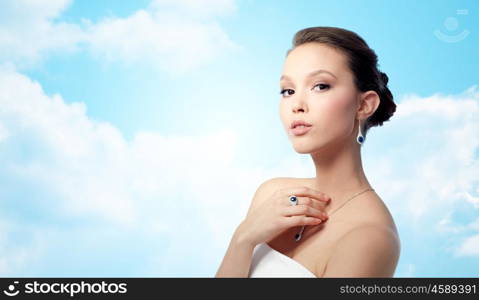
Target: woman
<point>334,224</point>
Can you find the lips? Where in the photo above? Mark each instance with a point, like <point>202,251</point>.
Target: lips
<point>300,130</point>
<point>300,127</point>
<point>298,123</point>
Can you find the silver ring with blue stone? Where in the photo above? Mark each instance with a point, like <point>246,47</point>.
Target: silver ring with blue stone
<point>293,200</point>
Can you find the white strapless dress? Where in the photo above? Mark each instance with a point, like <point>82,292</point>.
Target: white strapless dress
<point>267,262</point>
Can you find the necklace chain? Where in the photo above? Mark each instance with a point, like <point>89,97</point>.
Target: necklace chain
<point>369,189</point>
<point>298,235</point>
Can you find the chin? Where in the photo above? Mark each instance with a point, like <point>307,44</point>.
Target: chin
<point>303,148</point>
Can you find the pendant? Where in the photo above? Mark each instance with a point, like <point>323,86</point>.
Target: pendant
<point>298,235</point>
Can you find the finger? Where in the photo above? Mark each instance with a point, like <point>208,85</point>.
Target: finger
<point>304,210</point>
<point>307,192</point>
<point>309,201</point>
<point>301,220</point>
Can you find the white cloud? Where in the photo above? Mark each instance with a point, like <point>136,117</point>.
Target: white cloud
<point>3,133</point>
<point>18,257</point>
<point>446,225</point>
<point>69,169</point>
<point>468,244</point>
<point>91,165</point>
<point>469,247</point>
<point>173,36</point>
<point>427,172</point>
<point>29,31</point>
<point>474,225</point>
<point>430,162</point>
<point>169,41</point>
<point>64,144</point>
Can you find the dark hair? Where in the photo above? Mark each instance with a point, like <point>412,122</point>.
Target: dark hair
<point>363,63</point>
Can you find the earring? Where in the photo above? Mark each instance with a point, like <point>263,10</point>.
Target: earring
<point>360,138</point>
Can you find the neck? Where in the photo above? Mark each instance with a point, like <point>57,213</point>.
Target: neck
<point>339,173</point>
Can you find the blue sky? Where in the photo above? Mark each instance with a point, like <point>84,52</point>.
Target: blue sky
<point>120,120</point>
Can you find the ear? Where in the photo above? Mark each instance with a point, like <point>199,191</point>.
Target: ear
<point>368,103</point>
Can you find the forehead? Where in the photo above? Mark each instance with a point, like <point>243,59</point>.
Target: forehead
<point>312,56</point>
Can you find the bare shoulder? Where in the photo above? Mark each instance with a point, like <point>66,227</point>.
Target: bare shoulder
<point>369,250</point>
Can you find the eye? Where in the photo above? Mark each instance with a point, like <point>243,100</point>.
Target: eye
<point>282,91</point>
<point>322,86</point>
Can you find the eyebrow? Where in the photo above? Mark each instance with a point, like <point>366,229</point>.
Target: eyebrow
<point>311,74</point>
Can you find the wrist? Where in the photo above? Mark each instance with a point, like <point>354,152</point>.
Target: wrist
<point>241,238</point>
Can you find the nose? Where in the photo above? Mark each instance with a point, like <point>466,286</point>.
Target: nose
<point>298,104</point>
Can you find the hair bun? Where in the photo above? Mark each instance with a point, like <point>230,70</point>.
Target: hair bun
<point>384,78</point>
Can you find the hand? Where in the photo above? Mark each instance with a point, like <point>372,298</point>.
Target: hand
<point>276,214</point>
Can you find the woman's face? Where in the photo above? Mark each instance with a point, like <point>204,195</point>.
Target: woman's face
<point>325,99</point>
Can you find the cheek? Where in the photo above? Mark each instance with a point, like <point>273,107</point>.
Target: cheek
<point>339,103</point>
<point>283,114</point>
<point>335,114</point>
<point>336,107</point>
